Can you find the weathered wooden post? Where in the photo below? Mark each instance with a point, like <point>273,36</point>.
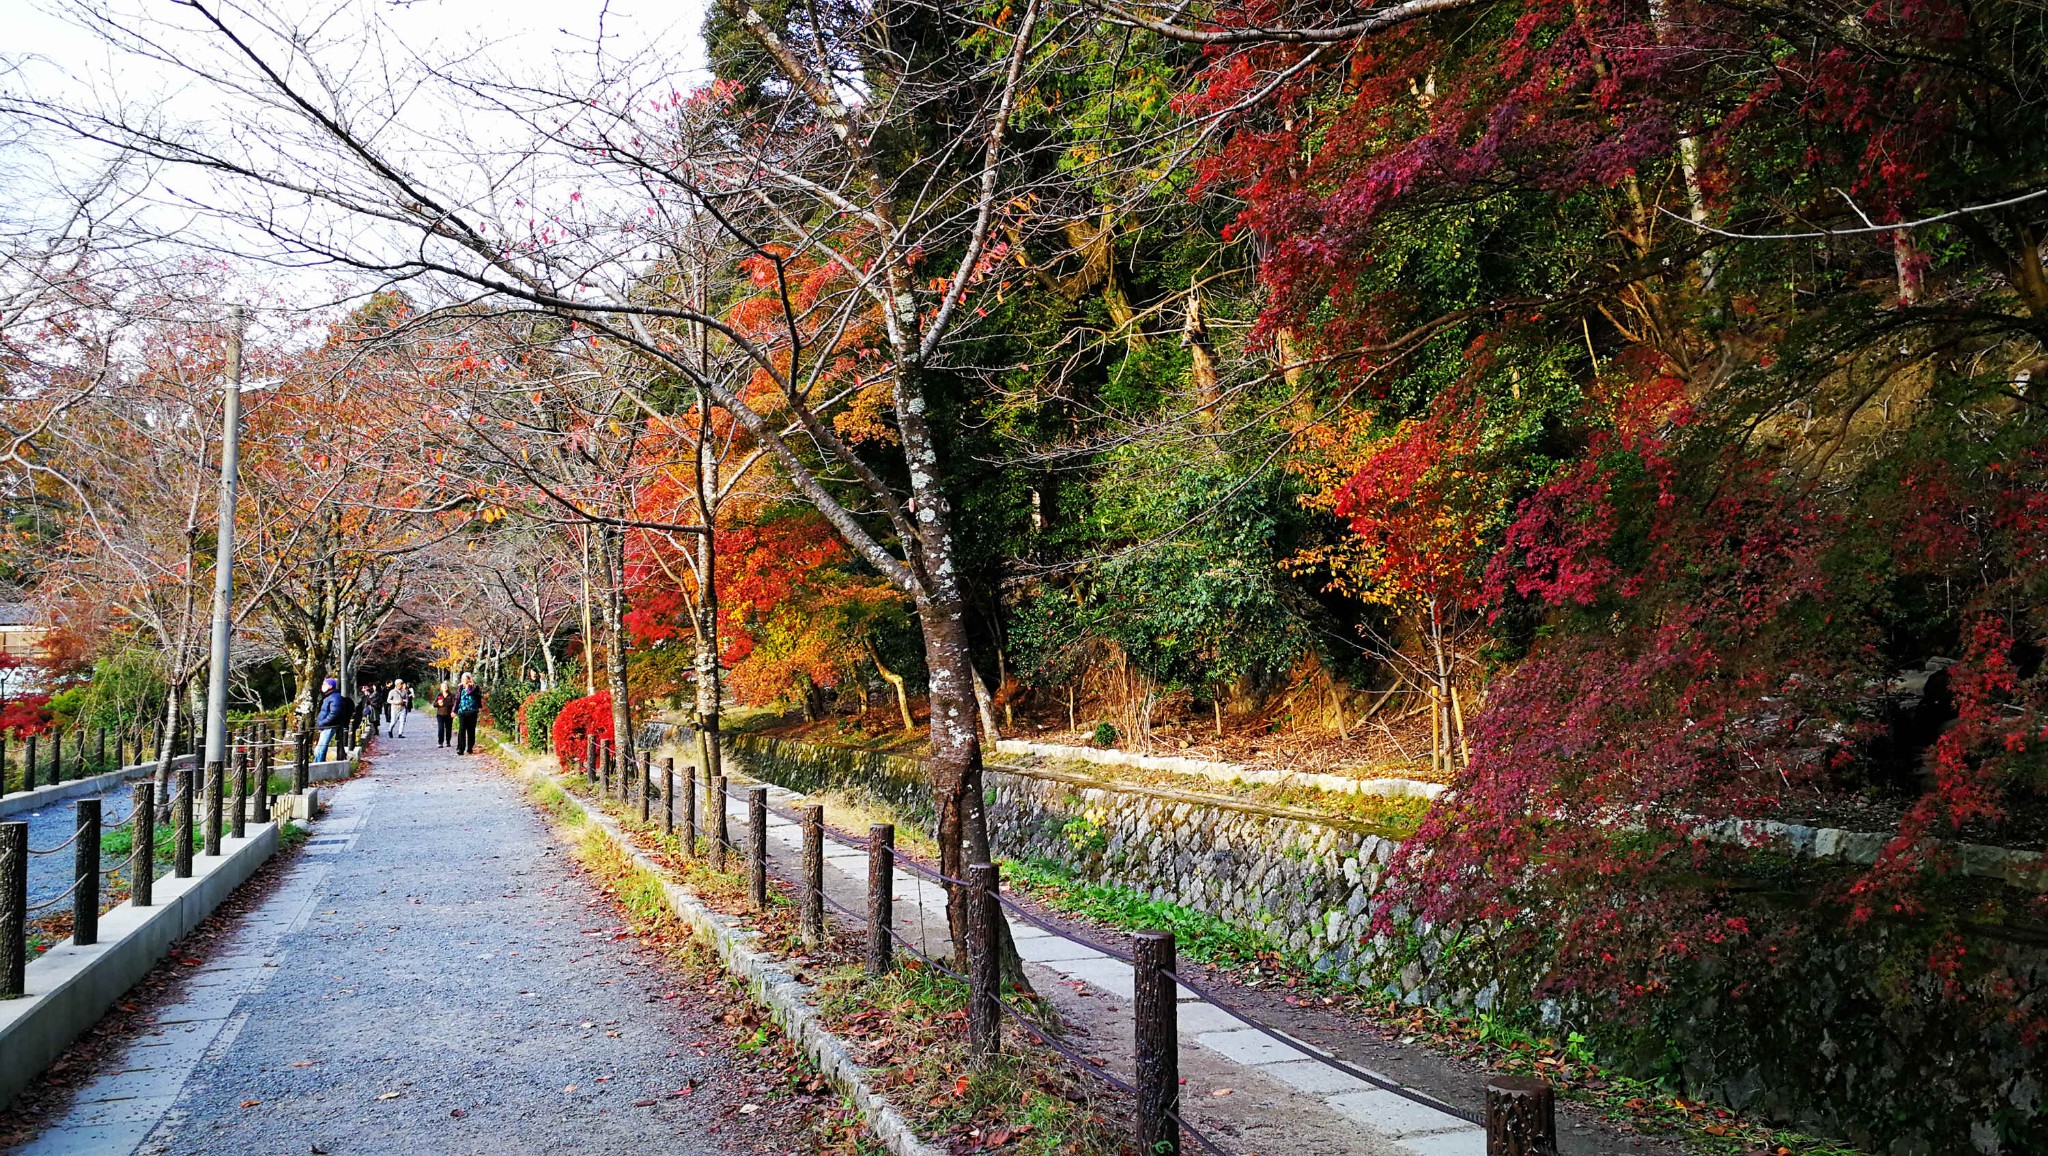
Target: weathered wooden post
<point>1158,1043</point>
<point>690,812</point>
<point>668,796</point>
<point>142,855</point>
<point>120,750</point>
<point>714,803</point>
<point>813,916</point>
<point>302,765</point>
<point>1521,1117</point>
<point>13,907</point>
<point>236,817</point>
<point>266,756</point>
<point>590,758</point>
<point>100,750</point>
<point>181,827</point>
<point>214,773</point>
<point>28,763</point>
<point>984,1014</point>
<point>56,755</point>
<point>3,763</point>
<point>646,782</point>
<point>85,863</point>
<point>881,897</point>
<point>757,846</point>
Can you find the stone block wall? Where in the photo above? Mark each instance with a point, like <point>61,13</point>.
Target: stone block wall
<point>1305,884</point>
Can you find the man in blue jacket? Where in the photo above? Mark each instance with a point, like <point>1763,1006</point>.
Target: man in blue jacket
<point>336,712</point>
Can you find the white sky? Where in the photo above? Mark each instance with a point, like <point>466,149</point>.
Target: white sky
<point>45,51</point>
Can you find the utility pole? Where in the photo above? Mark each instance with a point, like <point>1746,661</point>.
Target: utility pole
<point>224,550</point>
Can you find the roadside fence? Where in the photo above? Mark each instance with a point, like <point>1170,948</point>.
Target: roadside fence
<point>1519,1115</point>
<point>230,802</point>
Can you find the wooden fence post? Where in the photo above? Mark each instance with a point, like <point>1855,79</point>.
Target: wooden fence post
<point>714,803</point>
<point>181,823</point>
<point>1521,1117</point>
<point>757,850</point>
<point>1157,1043</point>
<point>13,907</point>
<point>646,782</point>
<point>813,921</point>
<point>213,807</point>
<point>85,865</point>
<point>142,856</point>
<point>237,816</point>
<point>668,796</point>
<point>690,812</point>
<point>984,1014</point>
<point>881,897</point>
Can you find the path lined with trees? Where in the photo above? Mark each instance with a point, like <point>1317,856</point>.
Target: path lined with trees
<point>1624,415</point>
<point>430,973</point>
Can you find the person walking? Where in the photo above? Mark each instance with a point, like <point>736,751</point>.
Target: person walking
<point>469,703</point>
<point>336,712</point>
<point>395,701</point>
<point>444,716</point>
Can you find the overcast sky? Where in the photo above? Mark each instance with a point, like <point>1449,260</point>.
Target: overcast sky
<point>43,49</point>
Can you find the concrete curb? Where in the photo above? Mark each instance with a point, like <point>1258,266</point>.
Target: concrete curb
<point>69,987</point>
<point>25,801</point>
<point>770,983</point>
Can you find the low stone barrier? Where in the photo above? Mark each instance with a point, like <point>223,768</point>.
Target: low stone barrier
<point>68,988</point>
<point>23,802</point>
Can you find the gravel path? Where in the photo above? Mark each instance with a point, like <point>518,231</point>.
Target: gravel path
<point>429,976</point>
<point>50,875</point>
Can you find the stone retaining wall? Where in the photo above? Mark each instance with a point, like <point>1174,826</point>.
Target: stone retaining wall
<point>1303,881</point>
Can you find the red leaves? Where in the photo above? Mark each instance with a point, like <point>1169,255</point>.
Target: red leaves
<point>582,719</point>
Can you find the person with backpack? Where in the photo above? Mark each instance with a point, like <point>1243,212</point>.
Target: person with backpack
<point>469,703</point>
<point>336,712</point>
<point>444,716</point>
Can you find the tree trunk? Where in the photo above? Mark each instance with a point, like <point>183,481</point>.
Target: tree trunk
<point>895,682</point>
<point>709,690</point>
<point>615,635</point>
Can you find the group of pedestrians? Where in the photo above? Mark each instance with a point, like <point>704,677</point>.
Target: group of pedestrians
<point>456,710</point>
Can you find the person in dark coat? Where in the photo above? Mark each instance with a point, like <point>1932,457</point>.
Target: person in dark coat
<point>469,703</point>
<point>335,715</point>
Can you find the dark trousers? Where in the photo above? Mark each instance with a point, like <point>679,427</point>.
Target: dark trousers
<point>465,734</point>
<point>444,729</point>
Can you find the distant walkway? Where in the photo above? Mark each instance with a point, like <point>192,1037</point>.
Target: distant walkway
<point>425,979</point>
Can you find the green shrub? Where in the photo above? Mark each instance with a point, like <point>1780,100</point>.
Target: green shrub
<point>541,711</point>
<point>1105,734</point>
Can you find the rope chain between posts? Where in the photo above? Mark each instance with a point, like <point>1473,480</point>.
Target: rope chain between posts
<point>1037,1029</point>
<point>58,898</point>
<point>75,833</point>
<point>920,872</point>
<point>1330,1061</point>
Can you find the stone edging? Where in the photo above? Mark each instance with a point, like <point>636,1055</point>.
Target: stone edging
<point>36,800</point>
<point>768,982</point>
<point>69,988</point>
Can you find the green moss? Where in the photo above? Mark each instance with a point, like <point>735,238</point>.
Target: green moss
<point>1197,935</point>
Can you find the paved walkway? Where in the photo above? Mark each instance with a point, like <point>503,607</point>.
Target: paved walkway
<point>427,977</point>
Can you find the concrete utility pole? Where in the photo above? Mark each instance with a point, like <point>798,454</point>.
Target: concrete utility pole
<point>224,549</point>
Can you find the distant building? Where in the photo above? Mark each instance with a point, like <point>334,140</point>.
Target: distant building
<point>21,634</point>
